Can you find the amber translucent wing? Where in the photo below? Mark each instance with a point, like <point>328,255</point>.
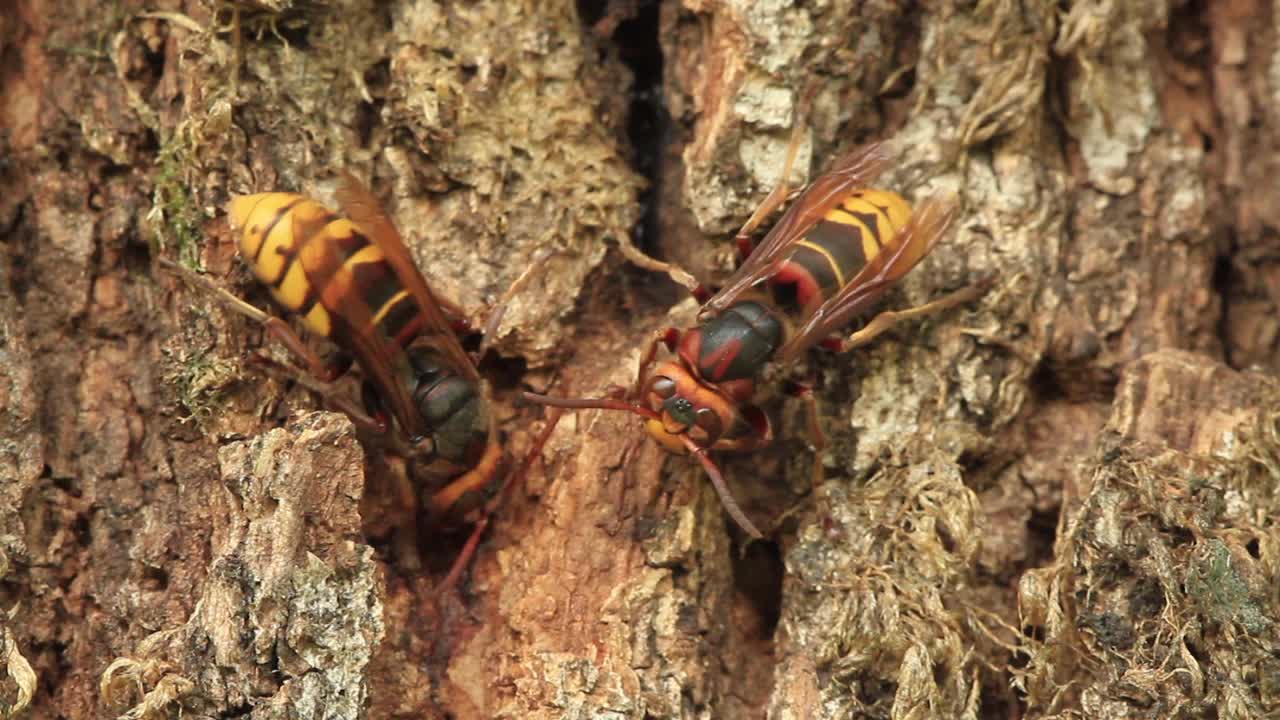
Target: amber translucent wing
<point>915,240</point>
<point>382,360</point>
<point>364,210</point>
<point>854,170</point>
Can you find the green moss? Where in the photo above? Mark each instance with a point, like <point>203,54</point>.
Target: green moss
<point>1214,582</point>
<point>175,216</point>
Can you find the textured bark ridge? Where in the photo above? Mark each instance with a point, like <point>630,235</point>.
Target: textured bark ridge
<point>292,595</point>
<point>1057,502</point>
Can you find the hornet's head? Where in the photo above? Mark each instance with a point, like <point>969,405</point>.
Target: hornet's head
<point>684,405</point>
<point>687,415</point>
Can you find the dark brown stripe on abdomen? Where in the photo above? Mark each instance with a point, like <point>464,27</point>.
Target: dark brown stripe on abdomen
<point>375,284</point>
<point>266,232</point>
<point>399,319</point>
<point>872,221</point>
<point>844,244</point>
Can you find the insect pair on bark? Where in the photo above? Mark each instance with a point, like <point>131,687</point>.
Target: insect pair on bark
<point>838,248</point>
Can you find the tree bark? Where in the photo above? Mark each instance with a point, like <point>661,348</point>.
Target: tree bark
<point>1056,502</point>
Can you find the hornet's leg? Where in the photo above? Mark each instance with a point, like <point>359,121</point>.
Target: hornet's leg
<point>319,374</point>
<point>775,198</point>
<point>274,326</point>
<point>742,239</point>
<point>681,276</point>
<point>499,308</point>
<point>721,487</point>
<point>512,478</point>
<point>404,530</point>
<point>889,318</point>
<point>819,440</point>
<point>761,436</point>
<point>334,399</point>
<point>669,337</point>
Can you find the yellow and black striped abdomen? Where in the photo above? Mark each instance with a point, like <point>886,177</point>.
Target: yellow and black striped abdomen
<point>830,255</point>
<point>319,265</point>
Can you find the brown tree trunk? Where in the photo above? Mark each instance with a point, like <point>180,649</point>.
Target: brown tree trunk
<point>1059,501</point>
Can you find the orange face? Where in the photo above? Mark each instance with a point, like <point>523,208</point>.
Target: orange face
<point>686,406</point>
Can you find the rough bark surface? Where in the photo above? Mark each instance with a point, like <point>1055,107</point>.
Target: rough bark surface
<point>1058,502</point>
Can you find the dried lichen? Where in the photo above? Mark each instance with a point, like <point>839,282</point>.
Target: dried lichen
<point>21,463</point>
<point>21,675</point>
<point>503,104</point>
<point>142,690</point>
<point>292,600</point>
<point>887,601</point>
<point>1162,572</point>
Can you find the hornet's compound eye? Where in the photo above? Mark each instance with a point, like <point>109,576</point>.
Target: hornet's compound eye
<point>662,386</point>
<point>708,426</point>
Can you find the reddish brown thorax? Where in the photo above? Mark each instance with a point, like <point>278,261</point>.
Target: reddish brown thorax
<point>707,369</point>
